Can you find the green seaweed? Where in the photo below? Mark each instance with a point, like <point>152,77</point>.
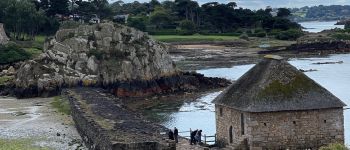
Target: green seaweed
<point>300,83</point>
<point>61,104</point>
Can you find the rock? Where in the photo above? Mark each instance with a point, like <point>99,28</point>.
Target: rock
<point>3,37</point>
<point>122,59</point>
<point>11,70</point>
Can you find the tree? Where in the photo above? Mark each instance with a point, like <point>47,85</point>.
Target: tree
<point>102,8</point>
<point>160,17</point>
<point>58,7</point>
<point>283,12</point>
<point>188,27</point>
<point>138,23</point>
<point>347,25</point>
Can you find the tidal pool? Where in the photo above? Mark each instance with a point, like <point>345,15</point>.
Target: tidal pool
<point>199,112</point>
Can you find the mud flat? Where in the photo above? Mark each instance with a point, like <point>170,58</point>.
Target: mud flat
<point>34,123</point>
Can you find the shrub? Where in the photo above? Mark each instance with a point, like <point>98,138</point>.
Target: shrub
<point>260,34</point>
<point>341,36</point>
<point>244,36</point>
<point>334,146</point>
<point>347,25</point>
<point>291,34</point>
<point>69,25</point>
<point>12,53</point>
<point>187,27</point>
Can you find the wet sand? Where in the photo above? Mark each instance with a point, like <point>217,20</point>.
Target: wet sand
<point>35,120</point>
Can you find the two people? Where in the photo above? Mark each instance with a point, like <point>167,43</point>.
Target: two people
<point>196,137</point>
<point>174,135</point>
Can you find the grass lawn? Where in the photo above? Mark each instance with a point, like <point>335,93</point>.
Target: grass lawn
<point>193,38</point>
<point>19,144</point>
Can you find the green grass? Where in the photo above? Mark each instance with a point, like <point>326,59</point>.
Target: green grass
<point>33,51</point>
<point>61,104</point>
<point>5,79</point>
<point>193,38</point>
<point>19,144</point>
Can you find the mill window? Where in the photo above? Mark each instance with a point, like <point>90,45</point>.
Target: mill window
<point>220,111</point>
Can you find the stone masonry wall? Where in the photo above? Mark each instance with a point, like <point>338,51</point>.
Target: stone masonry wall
<point>230,117</point>
<point>296,129</point>
<point>280,130</point>
<point>104,123</point>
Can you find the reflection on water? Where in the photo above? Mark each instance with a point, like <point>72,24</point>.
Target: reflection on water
<point>199,113</point>
<point>317,26</point>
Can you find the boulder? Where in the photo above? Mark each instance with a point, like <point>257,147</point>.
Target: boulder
<point>3,37</point>
<point>122,59</point>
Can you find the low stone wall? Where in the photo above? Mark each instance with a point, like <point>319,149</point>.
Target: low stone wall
<point>104,123</point>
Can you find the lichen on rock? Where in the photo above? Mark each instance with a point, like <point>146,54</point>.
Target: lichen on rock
<point>113,56</point>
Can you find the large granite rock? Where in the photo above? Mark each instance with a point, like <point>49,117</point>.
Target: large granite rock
<point>3,37</point>
<point>122,59</point>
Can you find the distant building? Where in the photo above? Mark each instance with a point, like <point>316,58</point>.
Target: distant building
<point>275,106</point>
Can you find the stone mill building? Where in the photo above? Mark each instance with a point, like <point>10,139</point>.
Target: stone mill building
<point>275,106</point>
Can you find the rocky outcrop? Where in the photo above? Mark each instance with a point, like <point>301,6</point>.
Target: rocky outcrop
<point>320,42</point>
<point>126,61</point>
<point>330,46</point>
<point>3,37</point>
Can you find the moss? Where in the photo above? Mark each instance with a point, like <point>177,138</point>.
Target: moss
<point>334,146</point>
<point>19,144</point>
<point>61,104</point>
<point>300,83</point>
<point>5,79</point>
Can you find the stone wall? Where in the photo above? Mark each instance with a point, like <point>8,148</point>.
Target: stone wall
<point>230,117</point>
<point>281,130</point>
<point>105,124</point>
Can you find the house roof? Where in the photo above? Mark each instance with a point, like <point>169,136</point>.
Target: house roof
<point>275,85</point>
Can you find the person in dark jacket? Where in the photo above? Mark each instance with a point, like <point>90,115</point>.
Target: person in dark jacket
<point>193,134</point>
<point>198,136</point>
<point>176,133</point>
<point>171,135</point>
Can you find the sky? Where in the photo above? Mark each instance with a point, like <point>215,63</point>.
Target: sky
<point>256,4</point>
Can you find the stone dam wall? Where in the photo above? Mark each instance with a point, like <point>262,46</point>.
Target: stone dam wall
<point>104,123</point>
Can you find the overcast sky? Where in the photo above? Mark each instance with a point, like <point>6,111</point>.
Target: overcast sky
<point>256,4</point>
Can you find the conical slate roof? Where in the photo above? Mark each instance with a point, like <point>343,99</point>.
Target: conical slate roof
<point>275,85</point>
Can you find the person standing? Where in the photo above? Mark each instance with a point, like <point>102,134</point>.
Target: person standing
<point>193,134</point>
<point>176,133</point>
<point>199,136</point>
<point>171,135</point>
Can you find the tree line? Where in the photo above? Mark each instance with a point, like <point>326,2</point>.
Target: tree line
<point>212,17</point>
<point>27,18</point>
